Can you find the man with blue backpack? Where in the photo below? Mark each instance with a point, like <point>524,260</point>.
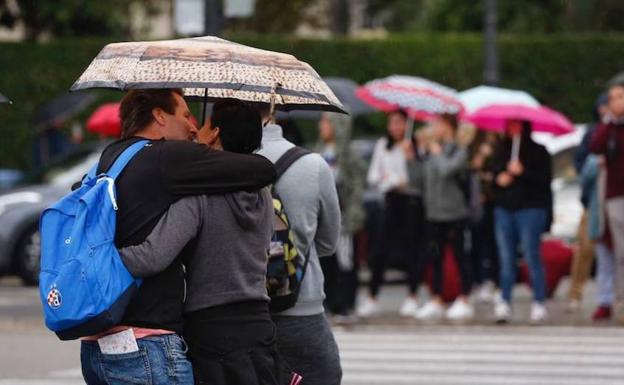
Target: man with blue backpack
<point>144,344</point>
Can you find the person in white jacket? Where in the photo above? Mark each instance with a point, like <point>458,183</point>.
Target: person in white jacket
<point>396,172</point>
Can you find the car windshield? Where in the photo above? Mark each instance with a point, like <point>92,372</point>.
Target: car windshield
<point>68,169</point>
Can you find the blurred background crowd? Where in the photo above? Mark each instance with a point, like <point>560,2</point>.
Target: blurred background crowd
<point>464,193</point>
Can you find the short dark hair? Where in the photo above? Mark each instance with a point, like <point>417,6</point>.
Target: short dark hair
<point>136,108</point>
<point>451,120</point>
<point>400,111</point>
<point>240,125</point>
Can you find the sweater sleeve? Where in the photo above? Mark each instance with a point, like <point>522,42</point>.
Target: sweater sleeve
<point>599,139</point>
<point>194,169</point>
<point>449,164</point>
<point>174,230</point>
<point>328,225</point>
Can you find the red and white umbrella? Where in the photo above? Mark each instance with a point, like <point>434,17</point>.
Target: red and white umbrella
<point>421,98</point>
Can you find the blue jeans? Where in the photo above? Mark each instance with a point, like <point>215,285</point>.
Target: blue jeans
<point>523,226</point>
<point>161,360</point>
<point>605,273</point>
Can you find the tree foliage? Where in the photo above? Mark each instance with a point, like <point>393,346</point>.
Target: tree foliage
<point>521,16</point>
<point>72,17</point>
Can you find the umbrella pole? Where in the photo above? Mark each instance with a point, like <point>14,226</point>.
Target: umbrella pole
<point>409,133</point>
<point>205,101</point>
<point>272,105</point>
<point>515,148</point>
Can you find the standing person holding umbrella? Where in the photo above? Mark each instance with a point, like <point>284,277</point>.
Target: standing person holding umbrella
<point>401,224</point>
<point>523,201</point>
<point>446,206</point>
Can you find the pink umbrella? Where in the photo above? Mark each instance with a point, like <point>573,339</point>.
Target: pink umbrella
<point>421,98</point>
<point>543,119</point>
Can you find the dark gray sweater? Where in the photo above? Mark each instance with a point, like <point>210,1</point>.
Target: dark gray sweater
<point>228,262</point>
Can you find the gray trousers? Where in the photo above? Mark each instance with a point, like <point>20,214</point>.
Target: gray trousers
<point>307,344</point>
<point>615,215</point>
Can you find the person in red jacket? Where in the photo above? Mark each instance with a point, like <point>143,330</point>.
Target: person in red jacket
<point>608,140</point>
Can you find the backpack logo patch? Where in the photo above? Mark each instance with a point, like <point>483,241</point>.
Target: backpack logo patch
<point>55,300</point>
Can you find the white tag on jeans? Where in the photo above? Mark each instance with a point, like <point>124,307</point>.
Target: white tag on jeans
<point>119,343</point>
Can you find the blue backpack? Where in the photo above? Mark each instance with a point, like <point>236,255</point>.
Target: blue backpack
<point>84,285</point>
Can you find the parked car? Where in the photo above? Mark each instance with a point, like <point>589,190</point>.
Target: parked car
<point>20,209</point>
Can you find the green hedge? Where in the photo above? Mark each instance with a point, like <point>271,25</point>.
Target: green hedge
<point>565,72</point>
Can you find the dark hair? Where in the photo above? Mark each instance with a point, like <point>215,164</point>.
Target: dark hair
<point>390,140</point>
<point>451,120</point>
<point>240,125</point>
<point>136,108</point>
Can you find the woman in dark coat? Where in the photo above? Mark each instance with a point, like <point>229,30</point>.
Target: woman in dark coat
<point>523,202</point>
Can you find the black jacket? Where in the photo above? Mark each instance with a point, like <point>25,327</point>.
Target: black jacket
<point>532,188</point>
<point>157,176</point>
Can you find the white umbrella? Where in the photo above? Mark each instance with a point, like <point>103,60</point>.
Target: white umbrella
<point>483,96</point>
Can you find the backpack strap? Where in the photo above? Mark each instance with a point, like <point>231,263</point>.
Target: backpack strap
<point>288,158</point>
<point>125,157</point>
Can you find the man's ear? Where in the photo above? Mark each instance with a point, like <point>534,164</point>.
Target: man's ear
<point>159,116</point>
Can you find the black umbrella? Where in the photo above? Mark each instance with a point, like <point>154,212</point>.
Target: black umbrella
<point>344,89</point>
<point>4,99</point>
<point>63,107</point>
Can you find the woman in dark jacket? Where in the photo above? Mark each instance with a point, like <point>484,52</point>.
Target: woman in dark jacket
<point>523,201</point>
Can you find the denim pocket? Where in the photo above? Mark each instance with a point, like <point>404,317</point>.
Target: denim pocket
<point>180,370</point>
<point>127,368</point>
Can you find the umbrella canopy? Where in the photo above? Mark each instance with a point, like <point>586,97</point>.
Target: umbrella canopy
<point>4,99</point>
<point>210,68</point>
<point>344,89</point>
<point>543,119</point>
<point>63,107</point>
<point>483,96</point>
<point>421,98</point>
<point>105,120</point>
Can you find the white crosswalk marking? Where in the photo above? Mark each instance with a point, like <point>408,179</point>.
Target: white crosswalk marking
<point>481,355</point>
<point>57,377</point>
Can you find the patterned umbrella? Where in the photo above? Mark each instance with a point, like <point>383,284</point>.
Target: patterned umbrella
<point>421,98</point>
<point>209,68</point>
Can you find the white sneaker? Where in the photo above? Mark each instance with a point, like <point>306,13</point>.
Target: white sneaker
<point>432,310</point>
<point>367,308</point>
<point>538,313</point>
<point>486,293</point>
<point>573,306</point>
<point>461,310</point>
<point>502,312</point>
<point>409,307</point>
